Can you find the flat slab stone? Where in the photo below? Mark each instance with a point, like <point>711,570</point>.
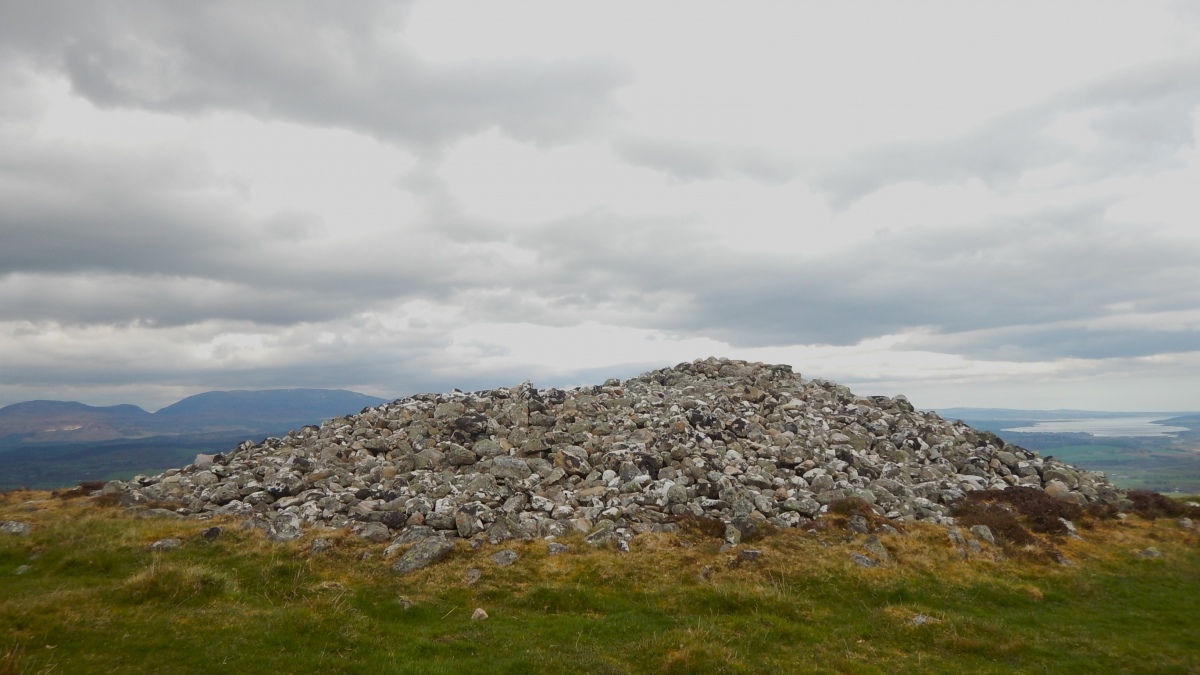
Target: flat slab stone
<point>423,554</point>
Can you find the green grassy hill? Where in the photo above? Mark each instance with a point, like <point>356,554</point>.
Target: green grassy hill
<point>83,593</point>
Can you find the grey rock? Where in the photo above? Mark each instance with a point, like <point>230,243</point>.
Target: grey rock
<point>320,545</point>
<point>211,534</point>
<point>468,521</point>
<point>602,534</point>
<point>285,527</point>
<point>460,456</point>
<point>876,548</point>
<point>510,467</point>
<point>23,569</point>
<point>474,575</point>
<point>168,544</point>
<point>555,548</point>
<point>749,554</point>
<point>479,614</point>
<point>1057,489</point>
<point>422,554</point>
<point>1150,552</point>
<point>376,532</point>
<point>414,533</point>
<point>15,527</point>
<point>862,560</point>
<point>984,533</point>
<point>503,558</point>
<point>859,524</point>
<point>441,521</point>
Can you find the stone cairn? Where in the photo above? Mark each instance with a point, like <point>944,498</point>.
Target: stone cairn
<point>745,443</point>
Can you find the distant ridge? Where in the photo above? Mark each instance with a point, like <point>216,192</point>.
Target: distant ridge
<point>273,410</point>
<point>271,406</point>
<point>1045,415</point>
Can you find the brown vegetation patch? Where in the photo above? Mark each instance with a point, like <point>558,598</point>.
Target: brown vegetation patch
<point>843,509</point>
<point>1001,519</point>
<point>1040,512</point>
<point>85,489</point>
<point>1153,505</point>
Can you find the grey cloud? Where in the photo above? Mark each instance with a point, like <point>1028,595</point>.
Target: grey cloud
<point>1041,268</point>
<point>317,62</point>
<point>1048,342</point>
<point>1141,119</point>
<point>93,235</point>
<point>692,161</point>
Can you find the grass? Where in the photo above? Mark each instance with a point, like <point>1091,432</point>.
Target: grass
<point>96,599</point>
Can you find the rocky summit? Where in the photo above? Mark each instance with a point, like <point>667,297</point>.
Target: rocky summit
<point>745,443</point>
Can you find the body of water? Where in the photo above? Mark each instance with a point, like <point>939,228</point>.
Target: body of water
<point>1103,426</point>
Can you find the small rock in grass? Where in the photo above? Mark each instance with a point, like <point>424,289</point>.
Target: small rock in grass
<point>504,558</point>
<point>922,619</point>
<point>862,560</point>
<point>474,575</point>
<point>23,569</point>
<point>859,524</point>
<point>320,544</point>
<point>956,536</point>
<point>15,527</point>
<point>1150,552</point>
<point>404,602</point>
<point>166,544</point>
<point>601,535</point>
<point>984,532</point>
<point>1187,524</point>
<point>749,554</point>
<point>875,548</point>
<point>622,545</point>
<point>479,614</point>
<point>555,548</point>
<point>211,533</point>
<point>975,546</point>
<point>422,554</point>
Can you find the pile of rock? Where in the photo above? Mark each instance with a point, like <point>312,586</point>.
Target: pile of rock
<point>745,443</point>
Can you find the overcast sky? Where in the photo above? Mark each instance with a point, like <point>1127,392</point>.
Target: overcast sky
<point>974,204</point>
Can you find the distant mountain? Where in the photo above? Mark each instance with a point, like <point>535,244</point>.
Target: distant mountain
<point>43,421</point>
<point>55,443</point>
<point>256,409</point>
<point>270,411</point>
